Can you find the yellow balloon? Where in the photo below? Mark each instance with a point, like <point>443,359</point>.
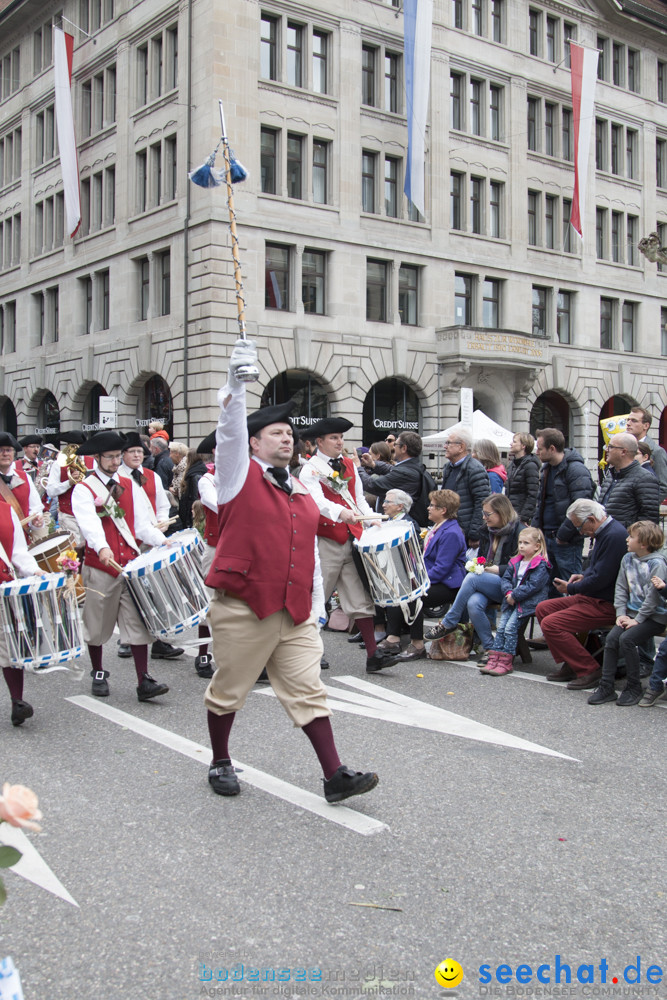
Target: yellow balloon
<point>449,973</point>
<point>613,425</point>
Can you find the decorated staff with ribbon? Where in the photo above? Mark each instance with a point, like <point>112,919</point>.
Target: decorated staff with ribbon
<point>18,490</point>
<point>111,514</point>
<point>336,488</point>
<point>268,588</point>
<point>65,472</point>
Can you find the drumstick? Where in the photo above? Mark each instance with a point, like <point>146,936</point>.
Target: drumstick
<point>29,518</point>
<point>371,517</point>
<point>165,524</point>
<point>115,565</point>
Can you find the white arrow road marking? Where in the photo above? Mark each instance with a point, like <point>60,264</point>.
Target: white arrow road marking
<point>342,815</point>
<point>390,706</point>
<point>31,865</point>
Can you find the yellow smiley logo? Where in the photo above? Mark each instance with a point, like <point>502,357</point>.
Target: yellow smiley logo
<point>449,973</point>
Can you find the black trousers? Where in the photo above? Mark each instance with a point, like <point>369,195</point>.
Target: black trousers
<point>439,593</point>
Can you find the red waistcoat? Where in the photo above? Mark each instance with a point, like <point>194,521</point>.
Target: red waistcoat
<point>338,530</point>
<point>65,499</point>
<point>7,539</point>
<point>22,492</point>
<point>150,489</point>
<point>211,526</point>
<point>265,553</point>
<point>122,552</point>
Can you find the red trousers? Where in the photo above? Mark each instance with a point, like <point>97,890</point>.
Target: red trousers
<point>562,617</point>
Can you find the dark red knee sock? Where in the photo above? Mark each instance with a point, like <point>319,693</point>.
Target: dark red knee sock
<point>140,654</point>
<point>14,679</point>
<point>367,628</point>
<point>95,654</point>
<point>219,727</point>
<point>320,734</point>
<point>204,634</point>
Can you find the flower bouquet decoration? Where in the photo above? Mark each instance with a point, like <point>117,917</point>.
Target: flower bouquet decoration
<point>68,563</point>
<point>476,565</point>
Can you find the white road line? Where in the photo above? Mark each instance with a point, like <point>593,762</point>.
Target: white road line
<point>342,815</point>
<point>32,865</point>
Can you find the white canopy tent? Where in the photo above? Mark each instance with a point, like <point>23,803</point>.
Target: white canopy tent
<point>482,427</point>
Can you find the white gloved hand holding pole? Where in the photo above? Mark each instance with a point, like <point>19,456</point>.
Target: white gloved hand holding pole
<point>243,362</point>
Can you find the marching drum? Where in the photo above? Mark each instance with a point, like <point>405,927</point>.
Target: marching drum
<point>394,564</point>
<point>167,585</point>
<point>40,623</point>
<point>46,554</point>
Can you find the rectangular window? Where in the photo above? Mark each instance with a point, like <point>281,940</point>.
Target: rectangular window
<point>478,17</point>
<point>533,123</point>
<point>313,281</point>
<point>376,290</point>
<point>155,185</point>
<point>391,82</point>
<point>628,324</point>
<point>110,95</point>
<point>567,148</point>
<point>164,278</point>
<point>268,47</point>
<point>600,144</point>
<point>10,81</point>
<point>98,102</point>
<point>368,182</point>
<point>603,49</point>
<point>144,287</point>
<point>268,160</point>
<point>320,53</point>
<point>617,64</point>
<point>539,315</point>
<point>52,315</point>
<point>294,165</point>
<point>294,54</point>
<point>633,70</point>
<point>495,209</point>
<point>631,165</point>
<point>277,277</point>
<point>606,324</point>
<point>84,229</point>
<point>661,162</point>
<point>45,135</point>
<point>407,294</point>
<point>368,56</point>
<point>455,196</point>
<point>142,181</point>
<point>498,20</point>
<point>320,171</point>
<point>391,165</point>
<point>103,286</point>
<point>96,203</point>
<point>456,81</point>
<point>631,237</point>
<point>170,168</point>
<point>617,149</point>
<point>491,304</point>
<point>142,75</point>
<point>59,221</point>
<point>534,32</point>
<point>87,289</point>
<point>549,129</point>
<point>552,39</point>
<point>617,237</point>
<point>475,106</point>
<point>457,13</point>
<point>87,109</point>
<point>663,331</point>
<point>476,202</point>
<point>157,62</point>
<point>601,233</point>
<point>550,221</point>
<point>569,35</point>
<point>564,317</point>
<point>533,218</point>
<point>494,112</point>
<point>171,61</point>
<point>662,81</point>
<point>463,288</point>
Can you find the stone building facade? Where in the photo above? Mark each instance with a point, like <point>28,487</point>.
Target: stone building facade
<point>358,304</point>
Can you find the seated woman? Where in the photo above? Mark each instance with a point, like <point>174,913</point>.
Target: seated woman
<point>499,541</point>
<point>444,557</point>
<point>486,452</point>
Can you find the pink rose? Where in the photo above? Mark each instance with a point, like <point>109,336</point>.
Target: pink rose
<point>18,806</point>
<point>98,501</point>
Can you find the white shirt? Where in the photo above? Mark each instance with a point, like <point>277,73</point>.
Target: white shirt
<point>21,558</point>
<point>207,493</point>
<point>163,507</point>
<point>54,486</point>
<point>34,503</point>
<point>310,476</point>
<point>232,462</point>
<point>85,512</point>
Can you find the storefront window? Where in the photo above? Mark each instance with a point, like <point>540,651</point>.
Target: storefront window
<point>8,420</point>
<point>550,410</point>
<point>90,417</point>
<point>310,395</point>
<point>390,407</point>
<point>155,405</point>
<point>48,416</point>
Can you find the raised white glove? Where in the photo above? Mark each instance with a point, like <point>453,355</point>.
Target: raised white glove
<point>244,353</point>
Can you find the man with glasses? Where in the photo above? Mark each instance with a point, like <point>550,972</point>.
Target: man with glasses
<point>638,424</point>
<point>588,598</point>
<point>629,492</point>
<point>467,477</point>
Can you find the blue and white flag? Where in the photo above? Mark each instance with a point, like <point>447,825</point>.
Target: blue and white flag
<point>418,23</point>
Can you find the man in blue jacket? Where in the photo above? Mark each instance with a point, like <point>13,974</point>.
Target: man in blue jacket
<point>588,597</point>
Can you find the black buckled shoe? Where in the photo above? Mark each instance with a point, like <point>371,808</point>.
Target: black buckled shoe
<point>165,651</point>
<point>204,665</point>
<point>222,778</point>
<point>378,661</point>
<point>149,688</point>
<point>345,782</point>
<point>324,663</point>
<point>21,711</point>
<point>100,687</point>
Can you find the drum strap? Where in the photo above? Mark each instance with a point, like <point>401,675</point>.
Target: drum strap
<point>5,558</point>
<point>97,487</point>
<point>11,499</point>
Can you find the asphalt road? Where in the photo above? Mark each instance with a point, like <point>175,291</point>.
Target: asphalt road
<point>488,854</point>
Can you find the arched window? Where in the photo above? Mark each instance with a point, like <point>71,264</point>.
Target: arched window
<point>48,416</point>
<point>551,410</point>
<point>90,415</point>
<point>312,402</point>
<point>156,404</point>
<point>390,407</point>
<point>8,421</point>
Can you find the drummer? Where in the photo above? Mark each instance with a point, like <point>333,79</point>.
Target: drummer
<point>207,494</point>
<point>14,552</point>
<point>157,507</point>
<point>61,481</point>
<point>338,526</point>
<point>17,489</point>
<point>112,514</point>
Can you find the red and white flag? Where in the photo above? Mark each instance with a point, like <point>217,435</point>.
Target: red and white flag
<point>584,63</point>
<point>63,48</point>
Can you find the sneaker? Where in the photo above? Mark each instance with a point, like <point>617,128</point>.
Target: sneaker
<point>222,778</point>
<point>100,687</point>
<point>345,782</point>
<point>379,661</point>
<point>164,651</point>
<point>629,697</point>
<point>124,650</point>
<point>204,665</point>
<point>149,688</point>
<point>601,695</point>
<point>650,697</point>
<point>21,711</point>
<point>438,631</point>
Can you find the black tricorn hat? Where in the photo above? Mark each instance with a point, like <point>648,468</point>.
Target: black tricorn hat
<point>8,440</point>
<point>31,439</point>
<point>73,437</point>
<point>329,425</point>
<point>207,446</point>
<point>270,415</point>
<point>133,440</point>
<point>103,441</point>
